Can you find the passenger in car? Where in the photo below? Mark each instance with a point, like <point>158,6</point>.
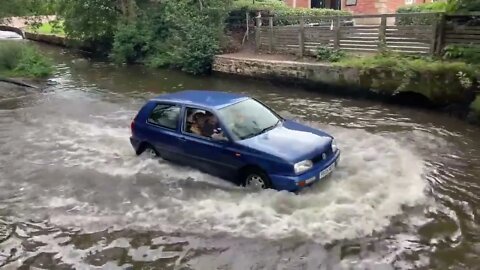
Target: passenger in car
<point>210,125</point>
<point>197,124</point>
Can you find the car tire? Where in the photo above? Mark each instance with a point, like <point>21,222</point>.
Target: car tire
<point>257,180</point>
<point>149,151</point>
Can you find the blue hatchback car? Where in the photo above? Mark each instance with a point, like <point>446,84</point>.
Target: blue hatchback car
<point>234,137</point>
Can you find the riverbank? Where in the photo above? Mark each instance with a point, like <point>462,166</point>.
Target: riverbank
<point>444,91</point>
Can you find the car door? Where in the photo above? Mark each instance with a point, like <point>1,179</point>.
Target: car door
<point>163,125</point>
<point>216,157</point>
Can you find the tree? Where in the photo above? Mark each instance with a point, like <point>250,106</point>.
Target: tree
<point>463,5</point>
<point>12,8</point>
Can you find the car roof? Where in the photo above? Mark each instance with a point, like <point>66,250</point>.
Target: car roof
<point>202,98</point>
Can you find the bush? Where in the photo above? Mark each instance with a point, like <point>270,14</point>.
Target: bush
<point>430,7</point>
<point>420,20</point>
<point>259,5</point>
<point>325,53</point>
<point>93,22</point>
<point>173,34</point>
<point>469,54</point>
<point>282,11</point>
<point>463,5</point>
<point>130,43</point>
<point>17,59</point>
<point>10,53</point>
<point>406,63</point>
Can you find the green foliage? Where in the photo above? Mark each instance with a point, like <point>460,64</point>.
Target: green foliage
<point>259,5</point>
<point>426,19</point>
<point>10,8</point>
<point>19,59</point>
<point>460,6</point>
<point>324,53</point>
<point>49,28</point>
<point>173,34</point>
<point>130,43</point>
<point>469,54</point>
<point>406,63</point>
<point>10,52</point>
<point>476,105</point>
<point>430,7</point>
<point>284,15</point>
<point>91,21</point>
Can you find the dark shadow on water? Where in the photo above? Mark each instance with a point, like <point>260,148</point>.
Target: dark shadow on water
<point>412,99</point>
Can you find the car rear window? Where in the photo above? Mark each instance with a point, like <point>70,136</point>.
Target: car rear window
<point>165,115</point>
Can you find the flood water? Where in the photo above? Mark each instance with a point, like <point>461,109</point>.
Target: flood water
<point>73,195</point>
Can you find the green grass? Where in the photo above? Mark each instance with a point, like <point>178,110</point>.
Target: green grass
<point>49,28</point>
<point>18,59</point>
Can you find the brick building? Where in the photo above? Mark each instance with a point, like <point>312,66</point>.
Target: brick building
<point>356,6</point>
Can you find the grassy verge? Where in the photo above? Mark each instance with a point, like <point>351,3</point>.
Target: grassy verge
<point>49,28</point>
<point>18,59</point>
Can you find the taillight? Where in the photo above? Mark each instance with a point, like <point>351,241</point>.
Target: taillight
<point>132,126</point>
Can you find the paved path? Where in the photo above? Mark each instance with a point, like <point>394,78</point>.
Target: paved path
<point>22,22</point>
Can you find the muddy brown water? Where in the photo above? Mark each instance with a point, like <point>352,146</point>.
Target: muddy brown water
<point>74,196</point>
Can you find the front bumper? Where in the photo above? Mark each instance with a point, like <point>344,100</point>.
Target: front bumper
<point>298,182</point>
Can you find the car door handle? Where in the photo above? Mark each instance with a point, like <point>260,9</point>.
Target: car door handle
<point>182,139</point>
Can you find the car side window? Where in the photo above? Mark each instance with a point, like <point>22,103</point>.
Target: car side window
<point>202,123</point>
<point>165,115</point>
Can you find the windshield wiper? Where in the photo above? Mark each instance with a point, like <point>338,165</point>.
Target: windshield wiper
<point>263,130</point>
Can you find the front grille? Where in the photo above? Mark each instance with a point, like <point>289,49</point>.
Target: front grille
<point>319,158</point>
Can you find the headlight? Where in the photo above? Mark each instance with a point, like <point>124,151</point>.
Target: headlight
<point>334,146</point>
<point>303,166</point>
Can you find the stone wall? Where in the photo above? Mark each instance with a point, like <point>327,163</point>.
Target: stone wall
<point>441,90</point>
<point>49,39</point>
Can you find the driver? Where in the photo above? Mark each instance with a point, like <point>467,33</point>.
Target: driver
<point>211,127</point>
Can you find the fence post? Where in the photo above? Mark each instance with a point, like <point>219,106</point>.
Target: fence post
<point>336,38</point>
<point>270,34</point>
<point>440,34</point>
<point>301,38</point>
<point>382,33</point>
<point>258,26</point>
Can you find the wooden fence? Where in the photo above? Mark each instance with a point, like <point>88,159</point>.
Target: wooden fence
<point>461,30</point>
<point>419,33</point>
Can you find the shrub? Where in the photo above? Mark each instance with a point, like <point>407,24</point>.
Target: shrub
<point>173,34</point>
<point>259,5</point>
<point>10,53</point>
<point>406,63</point>
<point>130,43</point>
<point>17,59</point>
<point>420,20</point>
<point>469,54</point>
<point>284,15</point>
<point>93,22</point>
<point>33,64</point>
<point>463,5</point>
<point>325,53</point>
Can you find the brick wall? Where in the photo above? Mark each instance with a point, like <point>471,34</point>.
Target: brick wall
<point>289,3</point>
<point>300,3</point>
<point>379,6</point>
<point>364,6</point>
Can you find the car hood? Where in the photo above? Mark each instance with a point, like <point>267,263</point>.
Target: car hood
<point>290,141</point>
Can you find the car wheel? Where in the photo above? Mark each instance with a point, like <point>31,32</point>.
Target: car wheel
<point>257,180</point>
<point>149,151</point>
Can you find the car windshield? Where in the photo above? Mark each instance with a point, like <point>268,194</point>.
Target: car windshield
<point>248,118</point>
